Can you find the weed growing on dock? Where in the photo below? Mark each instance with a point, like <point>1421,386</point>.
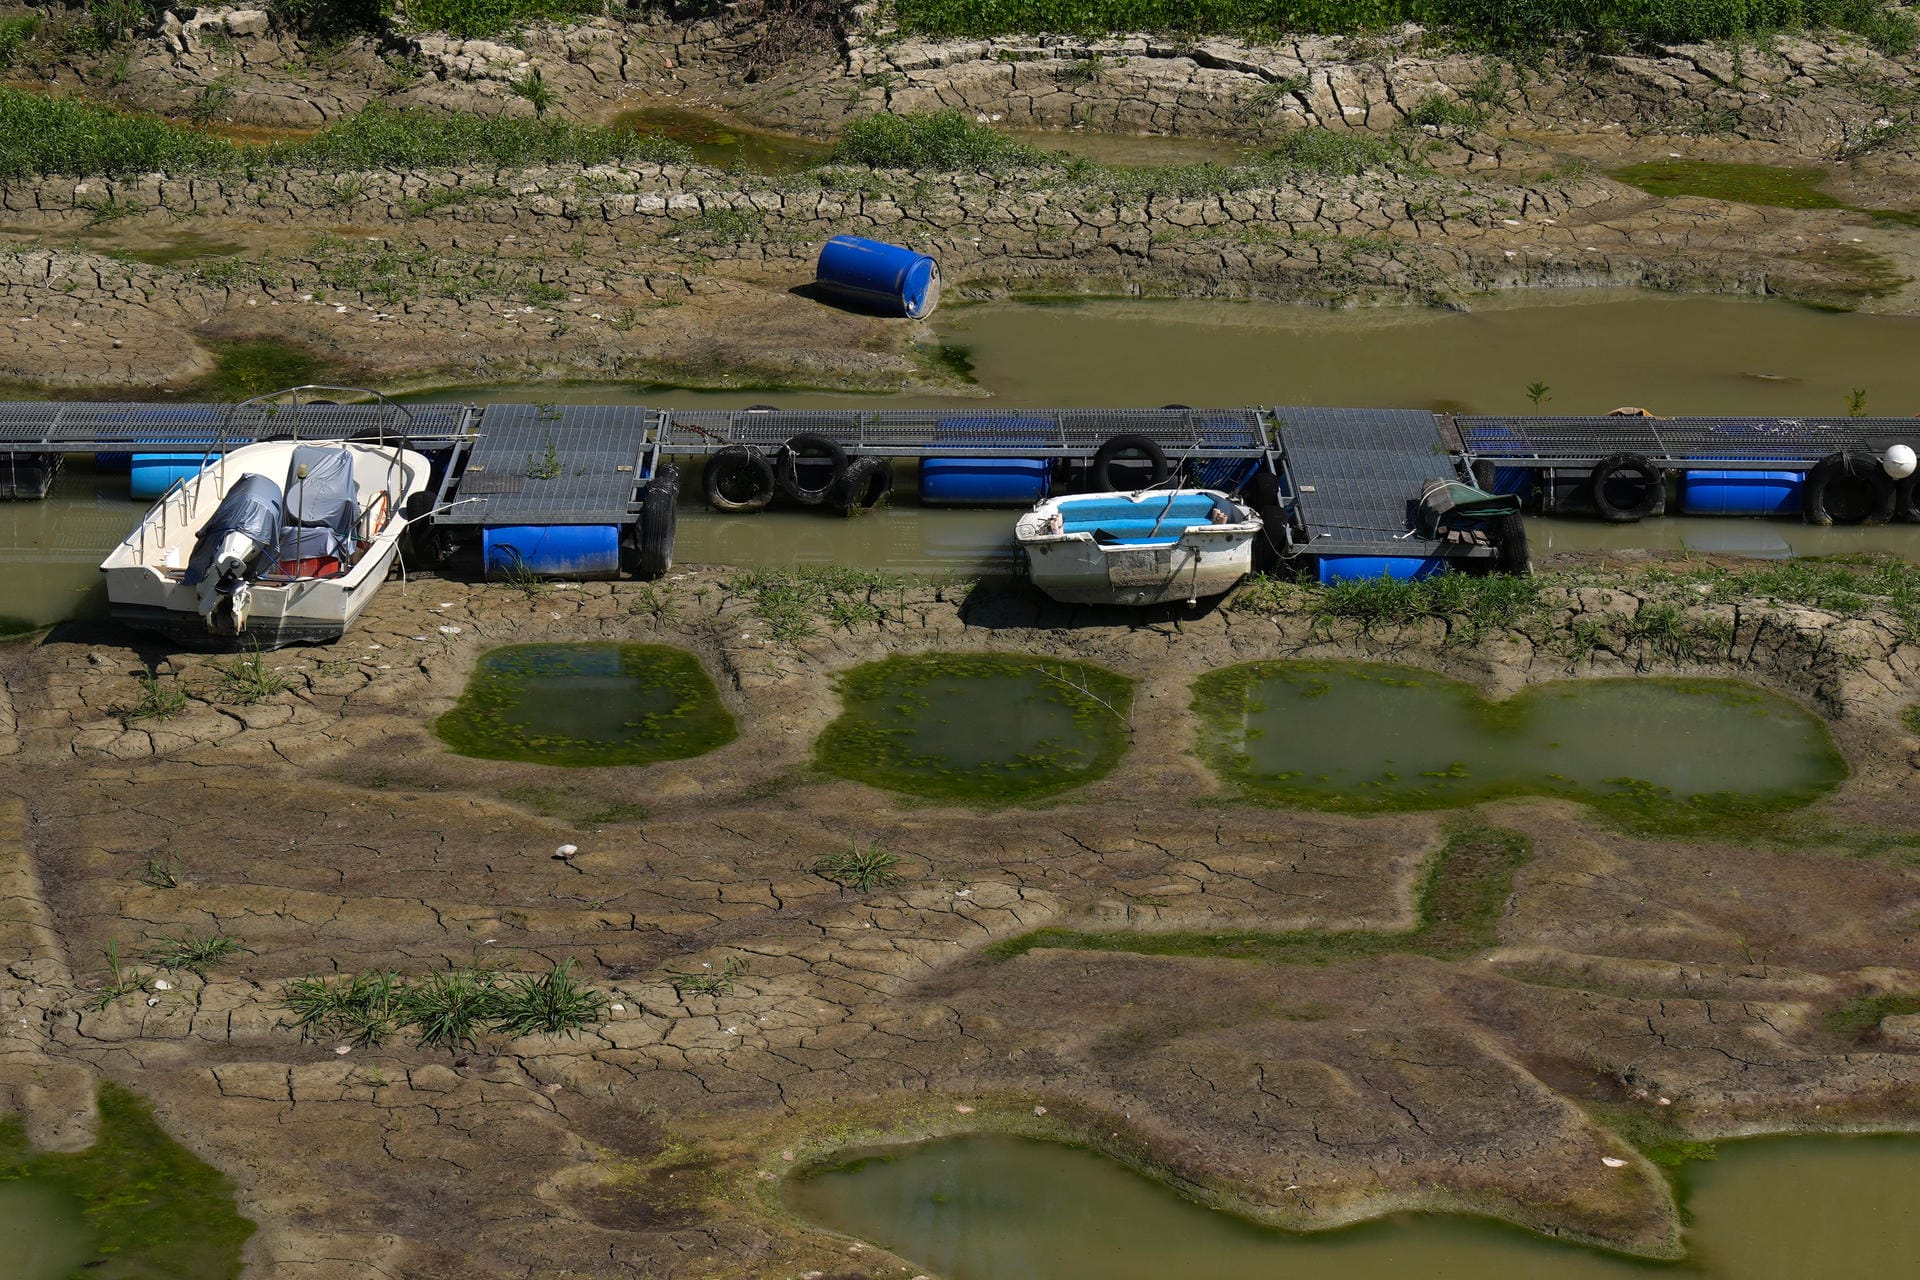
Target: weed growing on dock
<point>157,701</point>
<point>860,867</point>
<point>248,680</point>
<point>192,952</point>
<point>708,982</point>
<point>1457,906</point>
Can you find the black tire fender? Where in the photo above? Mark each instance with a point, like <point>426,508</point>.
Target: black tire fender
<point>1510,552</point>
<point>735,463</point>
<point>866,483</point>
<point>805,445</point>
<point>1653,492</point>
<point>1907,500</point>
<point>659,520</point>
<point>1103,459</point>
<point>1855,484</point>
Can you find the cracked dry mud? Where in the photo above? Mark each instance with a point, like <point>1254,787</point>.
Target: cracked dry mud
<point>327,830</point>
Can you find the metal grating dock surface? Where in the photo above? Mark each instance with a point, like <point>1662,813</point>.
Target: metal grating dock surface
<point>1357,474</point>
<point>553,464</point>
<point>1722,443</point>
<point>1023,433</point>
<point>85,427</point>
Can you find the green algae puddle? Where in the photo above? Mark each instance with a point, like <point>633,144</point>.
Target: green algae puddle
<point>994,1208</point>
<point>134,1206</point>
<point>1781,186</point>
<point>1368,737</point>
<point>587,704</point>
<point>979,728</point>
<point>724,144</point>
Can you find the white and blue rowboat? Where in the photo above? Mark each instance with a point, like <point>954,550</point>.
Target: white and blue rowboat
<point>1149,547</point>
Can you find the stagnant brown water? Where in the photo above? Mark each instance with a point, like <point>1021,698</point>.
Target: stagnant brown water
<point>1594,350</point>
<point>1005,1209</point>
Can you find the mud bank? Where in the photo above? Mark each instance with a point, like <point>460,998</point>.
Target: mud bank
<point>1634,983</point>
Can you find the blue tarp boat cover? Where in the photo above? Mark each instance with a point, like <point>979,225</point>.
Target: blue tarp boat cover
<point>321,495</point>
<point>253,507</point>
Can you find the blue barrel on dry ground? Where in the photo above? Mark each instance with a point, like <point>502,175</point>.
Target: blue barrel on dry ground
<point>878,276</point>
<point>551,550</point>
<point>151,474</point>
<point>1741,493</point>
<point>1338,568</point>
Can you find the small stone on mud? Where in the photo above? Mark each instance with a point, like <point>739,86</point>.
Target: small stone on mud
<point>343,1048</point>
<point>449,631</point>
<point>152,1001</point>
<point>964,1109</point>
<point>786,1155</point>
<point>617,1008</point>
<point>1613,1162</point>
<point>1666,1102</point>
<point>1039,1111</point>
<point>566,851</point>
<point>161,984</point>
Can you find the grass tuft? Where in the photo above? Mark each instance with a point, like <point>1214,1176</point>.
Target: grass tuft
<point>193,952</point>
<point>248,679</point>
<point>157,701</point>
<point>551,1003</point>
<point>944,141</point>
<point>450,1009</point>
<point>860,867</point>
<point>708,982</point>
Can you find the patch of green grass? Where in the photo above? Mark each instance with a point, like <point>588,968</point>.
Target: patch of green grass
<point>193,952</point>
<point>549,1004</point>
<point>162,871</point>
<point>1457,903</point>
<point>859,867</point>
<point>474,18</point>
<point>122,979</point>
<point>255,367</point>
<point>14,33</point>
<point>944,141</point>
<point>1474,606</point>
<point>154,1209</point>
<point>1763,184</point>
<point>708,981</point>
<point>449,1009</point>
<point>1862,1015</point>
<point>247,679</point>
<point>719,226</point>
<point>793,600</point>
<point>365,1008</point>
<point>1911,718</point>
<point>157,701</point>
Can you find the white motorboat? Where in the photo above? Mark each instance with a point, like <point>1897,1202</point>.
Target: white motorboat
<point>1149,547</point>
<point>269,544</point>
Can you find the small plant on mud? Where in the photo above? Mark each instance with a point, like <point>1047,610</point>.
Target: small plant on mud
<point>533,88</point>
<point>122,980</point>
<point>193,952</point>
<point>516,573</point>
<point>161,872</point>
<point>860,867</point>
<point>248,679</point>
<point>447,1008</point>
<point>365,1008</point>
<point>708,982</point>
<point>157,701</point>
<point>654,599</point>
<point>552,1003</point>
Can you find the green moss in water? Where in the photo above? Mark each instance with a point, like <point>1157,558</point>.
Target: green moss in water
<point>1669,755</point>
<point>978,728</point>
<point>1765,184</point>
<point>156,1211</point>
<point>587,704</point>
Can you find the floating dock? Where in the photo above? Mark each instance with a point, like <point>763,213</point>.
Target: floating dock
<point>1346,483</point>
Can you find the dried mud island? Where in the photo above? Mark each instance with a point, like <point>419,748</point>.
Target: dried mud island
<point>418,207</point>
<point>1522,1008</point>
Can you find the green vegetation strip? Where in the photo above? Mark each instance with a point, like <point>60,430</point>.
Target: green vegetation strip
<point>1457,903</point>
<point>1490,23</point>
<point>447,1009</point>
<point>978,728</point>
<point>587,704</point>
<point>156,1211</point>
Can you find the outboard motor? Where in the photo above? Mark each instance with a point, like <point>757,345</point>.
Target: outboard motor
<point>238,544</point>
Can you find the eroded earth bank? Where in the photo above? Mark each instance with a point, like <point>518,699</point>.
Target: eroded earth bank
<point>1514,1039</point>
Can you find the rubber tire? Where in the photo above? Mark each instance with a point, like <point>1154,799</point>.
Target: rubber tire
<point>1101,476</point>
<point>789,472</point>
<point>1653,500</point>
<point>1907,502</point>
<point>866,483</point>
<point>659,519</point>
<point>1511,554</point>
<point>1882,493</point>
<point>1483,476</point>
<point>733,460</point>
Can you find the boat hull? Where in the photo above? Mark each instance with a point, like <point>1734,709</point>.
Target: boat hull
<point>1160,554</point>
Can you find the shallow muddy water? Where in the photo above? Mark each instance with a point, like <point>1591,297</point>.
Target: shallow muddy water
<point>587,704</point>
<point>1594,349</point>
<point>988,727</point>
<point>43,1235</point>
<point>1369,735</point>
<point>991,1208</point>
<point>722,143</point>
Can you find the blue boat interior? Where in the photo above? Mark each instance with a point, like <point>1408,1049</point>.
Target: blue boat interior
<point>1134,523</point>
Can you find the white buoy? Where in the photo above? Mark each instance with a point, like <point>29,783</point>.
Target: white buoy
<point>1898,461</point>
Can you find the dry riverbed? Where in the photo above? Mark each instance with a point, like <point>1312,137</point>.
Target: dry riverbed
<point>1633,984</point>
